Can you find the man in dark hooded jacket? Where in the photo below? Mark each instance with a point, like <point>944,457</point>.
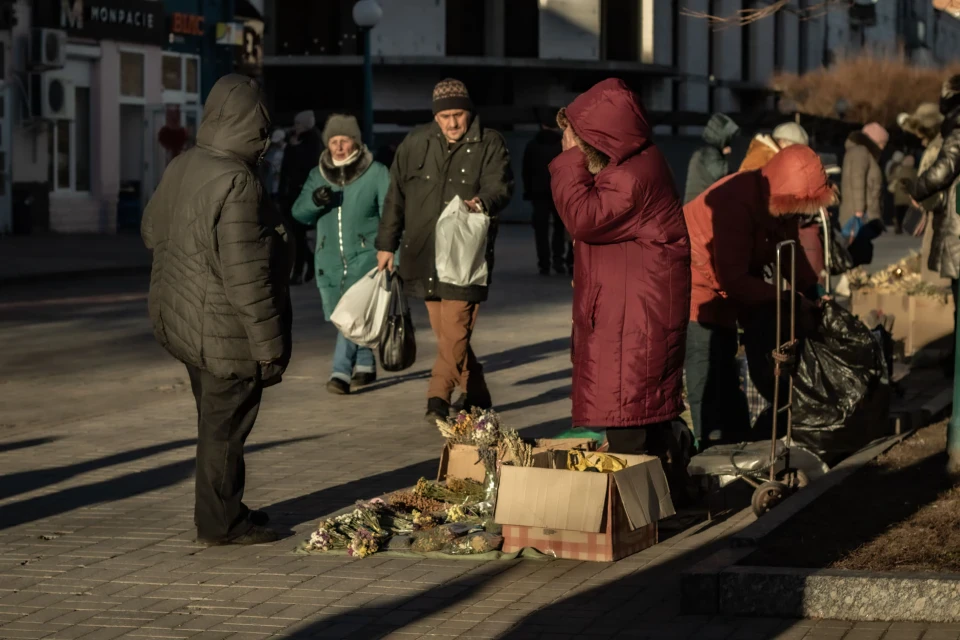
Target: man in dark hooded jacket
<point>540,151</point>
<point>219,299</point>
<point>710,163</point>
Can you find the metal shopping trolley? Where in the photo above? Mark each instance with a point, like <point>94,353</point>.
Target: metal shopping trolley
<point>772,469</point>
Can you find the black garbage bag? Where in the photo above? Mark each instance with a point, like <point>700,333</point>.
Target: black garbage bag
<point>841,392</point>
<point>840,259</point>
<point>398,345</point>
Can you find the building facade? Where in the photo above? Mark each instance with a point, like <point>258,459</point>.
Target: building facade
<point>88,87</point>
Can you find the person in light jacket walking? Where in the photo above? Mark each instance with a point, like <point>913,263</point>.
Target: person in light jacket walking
<point>862,178</point>
<point>343,198</point>
<point>455,155</point>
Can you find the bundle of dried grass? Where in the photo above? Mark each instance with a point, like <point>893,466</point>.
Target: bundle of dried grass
<point>873,87</point>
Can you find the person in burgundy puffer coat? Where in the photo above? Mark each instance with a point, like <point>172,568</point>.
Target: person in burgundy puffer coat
<point>616,195</point>
<point>734,229</point>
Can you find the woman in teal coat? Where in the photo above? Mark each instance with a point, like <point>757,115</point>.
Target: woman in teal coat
<point>343,197</point>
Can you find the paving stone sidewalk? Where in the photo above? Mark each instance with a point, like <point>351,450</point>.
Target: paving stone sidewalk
<point>97,431</point>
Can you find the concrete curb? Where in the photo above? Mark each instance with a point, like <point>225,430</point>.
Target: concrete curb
<point>30,278</point>
<point>864,596</point>
<point>719,586</point>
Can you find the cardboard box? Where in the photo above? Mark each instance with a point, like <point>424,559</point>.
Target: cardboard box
<point>463,461</point>
<point>919,321</point>
<point>583,515</point>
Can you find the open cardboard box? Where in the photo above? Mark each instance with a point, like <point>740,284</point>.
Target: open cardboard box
<point>462,461</point>
<point>582,515</point>
<point>919,321</point>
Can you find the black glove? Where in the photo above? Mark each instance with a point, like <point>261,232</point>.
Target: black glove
<point>322,196</point>
<point>271,373</point>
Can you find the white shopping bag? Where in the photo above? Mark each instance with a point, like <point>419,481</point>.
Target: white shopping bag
<point>361,312</point>
<point>461,245</point>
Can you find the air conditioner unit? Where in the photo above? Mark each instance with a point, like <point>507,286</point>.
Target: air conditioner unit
<point>48,49</point>
<point>52,97</point>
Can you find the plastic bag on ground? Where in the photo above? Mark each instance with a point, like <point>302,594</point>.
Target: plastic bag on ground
<point>362,311</point>
<point>461,246</point>
<point>841,393</point>
<point>398,345</point>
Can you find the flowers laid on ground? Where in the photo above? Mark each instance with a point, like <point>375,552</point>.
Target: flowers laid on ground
<point>901,277</point>
<point>431,517</point>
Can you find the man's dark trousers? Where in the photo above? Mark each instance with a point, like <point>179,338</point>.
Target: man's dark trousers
<point>550,249</point>
<point>226,412</point>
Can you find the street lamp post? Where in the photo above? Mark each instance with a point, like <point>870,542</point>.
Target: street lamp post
<point>367,13</point>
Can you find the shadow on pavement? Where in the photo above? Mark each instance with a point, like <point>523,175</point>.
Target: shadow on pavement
<point>27,481</point>
<point>517,356</point>
<point>323,502</point>
<point>642,601</point>
<point>119,488</point>
<point>559,393</point>
<point>561,375</point>
<point>23,444</point>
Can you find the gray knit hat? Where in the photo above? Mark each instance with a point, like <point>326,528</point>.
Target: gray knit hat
<point>339,124</point>
<point>451,94</point>
<point>792,132</point>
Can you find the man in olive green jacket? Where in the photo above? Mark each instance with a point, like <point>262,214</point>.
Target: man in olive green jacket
<point>219,298</point>
<point>453,156</point>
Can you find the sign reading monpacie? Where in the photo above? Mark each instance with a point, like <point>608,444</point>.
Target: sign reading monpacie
<point>139,21</point>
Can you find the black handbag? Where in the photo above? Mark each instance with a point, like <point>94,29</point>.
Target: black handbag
<point>398,345</point>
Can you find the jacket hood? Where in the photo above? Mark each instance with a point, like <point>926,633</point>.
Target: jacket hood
<point>762,148</point>
<point>720,131</point>
<point>860,139</point>
<point>797,182</point>
<point>610,118</point>
<point>235,121</point>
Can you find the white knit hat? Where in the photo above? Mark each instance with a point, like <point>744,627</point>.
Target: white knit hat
<point>792,132</point>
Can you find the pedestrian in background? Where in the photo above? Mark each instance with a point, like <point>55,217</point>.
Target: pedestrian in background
<point>902,177</point>
<point>615,192</point>
<point>219,300</point>
<point>272,163</point>
<point>343,198</point>
<point>734,228</point>
<point>711,162</point>
<point>299,158</point>
<point>862,179</point>
<point>455,155</point>
<point>552,249</point>
<point>763,147</point>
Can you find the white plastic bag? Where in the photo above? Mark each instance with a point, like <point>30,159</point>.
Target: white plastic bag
<point>461,245</point>
<point>362,309</point>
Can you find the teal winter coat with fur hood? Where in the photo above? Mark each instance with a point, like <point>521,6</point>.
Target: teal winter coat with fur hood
<point>347,226</point>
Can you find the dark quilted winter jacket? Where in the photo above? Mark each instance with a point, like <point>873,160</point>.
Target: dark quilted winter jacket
<point>631,295</point>
<point>218,288</point>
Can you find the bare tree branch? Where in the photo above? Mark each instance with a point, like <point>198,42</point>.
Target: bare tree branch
<point>743,17</point>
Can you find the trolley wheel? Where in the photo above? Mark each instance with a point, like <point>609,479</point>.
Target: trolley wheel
<point>793,478</point>
<point>767,496</point>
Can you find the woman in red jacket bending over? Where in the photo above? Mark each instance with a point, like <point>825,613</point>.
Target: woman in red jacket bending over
<point>615,193</point>
<point>734,230</point>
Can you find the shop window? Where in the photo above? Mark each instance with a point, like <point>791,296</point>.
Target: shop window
<point>131,74</point>
<point>193,70</point>
<point>81,137</point>
<point>172,73</point>
<point>69,148</point>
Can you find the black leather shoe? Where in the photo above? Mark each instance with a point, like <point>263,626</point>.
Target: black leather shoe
<point>437,409</point>
<point>363,379</point>
<point>254,535</point>
<point>258,518</point>
<point>338,387</point>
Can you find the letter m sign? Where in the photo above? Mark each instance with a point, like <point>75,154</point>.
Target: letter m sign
<point>71,17</point>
